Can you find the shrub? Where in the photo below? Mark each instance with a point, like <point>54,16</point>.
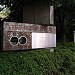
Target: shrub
<point>39,62</point>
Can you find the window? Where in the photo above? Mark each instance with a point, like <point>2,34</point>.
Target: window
<point>14,40</point>
<point>22,40</point>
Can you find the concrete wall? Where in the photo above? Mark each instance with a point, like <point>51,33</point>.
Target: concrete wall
<point>37,36</point>
<point>37,12</point>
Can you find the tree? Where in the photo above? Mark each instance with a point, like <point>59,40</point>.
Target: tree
<point>16,8</point>
<point>4,12</point>
<point>64,17</point>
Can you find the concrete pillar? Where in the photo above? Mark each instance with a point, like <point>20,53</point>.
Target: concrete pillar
<point>52,15</point>
<point>74,35</point>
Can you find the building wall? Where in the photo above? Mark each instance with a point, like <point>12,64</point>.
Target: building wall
<point>37,12</point>
<point>28,14</point>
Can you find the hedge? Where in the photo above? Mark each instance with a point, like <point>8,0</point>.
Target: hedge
<point>39,62</point>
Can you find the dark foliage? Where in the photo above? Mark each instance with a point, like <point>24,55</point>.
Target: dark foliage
<point>39,62</point>
<point>65,19</point>
<point>16,8</point>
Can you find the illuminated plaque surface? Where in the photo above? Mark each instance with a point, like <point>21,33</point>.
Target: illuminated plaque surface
<point>43,40</point>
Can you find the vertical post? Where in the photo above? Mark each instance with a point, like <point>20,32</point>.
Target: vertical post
<point>51,19</point>
<point>51,13</point>
<point>74,35</point>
